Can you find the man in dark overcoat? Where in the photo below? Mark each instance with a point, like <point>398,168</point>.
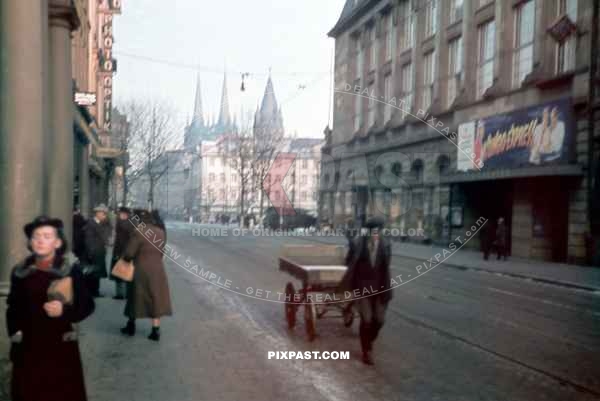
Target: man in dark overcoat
<point>97,233</point>
<point>78,234</point>
<point>368,278</point>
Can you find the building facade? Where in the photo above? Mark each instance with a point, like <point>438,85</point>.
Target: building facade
<point>448,113</point>
<point>52,156</point>
<point>301,183</point>
<point>215,182</point>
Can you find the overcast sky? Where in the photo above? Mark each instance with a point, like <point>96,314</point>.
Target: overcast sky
<point>288,36</point>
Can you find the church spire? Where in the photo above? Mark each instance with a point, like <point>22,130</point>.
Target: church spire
<point>224,117</point>
<point>198,118</point>
<point>268,120</point>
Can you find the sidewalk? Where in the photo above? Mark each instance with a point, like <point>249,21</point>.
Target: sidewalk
<point>572,276</point>
<point>579,277</point>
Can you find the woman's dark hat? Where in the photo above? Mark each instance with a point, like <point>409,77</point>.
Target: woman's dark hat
<point>42,221</point>
<point>124,209</point>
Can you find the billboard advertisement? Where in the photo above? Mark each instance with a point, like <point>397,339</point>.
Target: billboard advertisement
<point>536,135</point>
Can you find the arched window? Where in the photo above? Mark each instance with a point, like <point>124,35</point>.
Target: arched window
<point>337,177</point>
<point>397,169</point>
<point>417,170</point>
<point>443,164</point>
<point>378,171</point>
<point>326,179</point>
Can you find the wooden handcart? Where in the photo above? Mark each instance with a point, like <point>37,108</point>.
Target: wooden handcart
<point>320,269</point>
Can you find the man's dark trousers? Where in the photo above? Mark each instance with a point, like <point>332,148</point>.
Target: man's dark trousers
<point>372,316</point>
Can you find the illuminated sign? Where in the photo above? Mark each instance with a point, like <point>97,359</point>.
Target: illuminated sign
<point>85,98</point>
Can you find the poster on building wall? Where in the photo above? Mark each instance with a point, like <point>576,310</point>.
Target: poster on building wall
<point>466,140</point>
<point>536,135</point>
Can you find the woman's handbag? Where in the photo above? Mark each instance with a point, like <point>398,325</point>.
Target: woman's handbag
<point>61,290</point>
<point>123,270</point>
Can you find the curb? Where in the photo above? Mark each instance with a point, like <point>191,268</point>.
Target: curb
<point>558,283</point>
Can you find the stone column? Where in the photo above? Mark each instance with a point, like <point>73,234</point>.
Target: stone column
<point>62,19</point>
<point>22,124</point>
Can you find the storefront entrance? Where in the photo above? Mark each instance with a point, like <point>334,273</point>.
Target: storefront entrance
<point>490,200</point>
<point>535,211</point>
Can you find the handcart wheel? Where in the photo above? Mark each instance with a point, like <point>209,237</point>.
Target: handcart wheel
<point>310,318</point>
<point>321,310</point>
<point>290,307</point>
<point>348,316</point>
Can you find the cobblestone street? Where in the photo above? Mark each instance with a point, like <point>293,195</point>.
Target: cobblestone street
<point>450,335</point>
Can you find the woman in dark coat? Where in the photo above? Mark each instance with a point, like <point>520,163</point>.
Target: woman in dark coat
<point>148,295</point>
<point>123,229</point>
<point>44,348</point>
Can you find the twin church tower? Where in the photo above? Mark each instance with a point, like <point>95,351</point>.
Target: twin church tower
<point>267,118</point>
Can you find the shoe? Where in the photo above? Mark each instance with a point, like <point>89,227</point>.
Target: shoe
<point>129,329</point>
<point>155,334</point>
<point>118,297</point>
<point>367,358</point>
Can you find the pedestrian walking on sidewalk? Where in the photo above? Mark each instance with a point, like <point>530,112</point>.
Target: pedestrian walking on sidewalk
<point>501,238</point>
<point>123,229</point>
<point>148,294</point>
<point>78,233</point>
<point>47,295</point>
<point>368,262</point>
<point>488,237</point>
<point>97,233</point>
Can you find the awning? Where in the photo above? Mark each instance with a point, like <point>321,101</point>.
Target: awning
<point>568,170</point>
<point>89,136</point>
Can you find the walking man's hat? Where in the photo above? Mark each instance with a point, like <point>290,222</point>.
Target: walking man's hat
<point>101,208</point>
<point>375,222</point>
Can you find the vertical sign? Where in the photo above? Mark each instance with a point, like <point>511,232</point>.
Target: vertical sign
<point>107,64</point>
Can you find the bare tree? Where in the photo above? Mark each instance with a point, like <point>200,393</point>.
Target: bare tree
<point>267,144</point>
<point>237,150</point>
<point>152,131</point>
